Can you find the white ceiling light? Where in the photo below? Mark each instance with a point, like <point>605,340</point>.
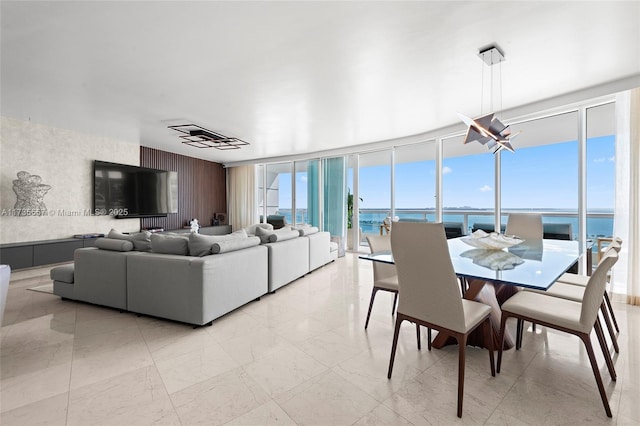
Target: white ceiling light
<point>488,129</point>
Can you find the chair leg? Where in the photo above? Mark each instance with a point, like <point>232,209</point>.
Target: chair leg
<point>395,301</point>
<point>519,332</point>
<point>399,320</point>
<point>429,337</point>
<point>612,334</point>
<point>610,307</point>
<point>533,326</point>
<point>503,323</point>
<point>488,328</point>
<point>462,345</point>
<point>596,372</point>
<point>373,296</point>
<point>418,336</point>
<point>605,349</point>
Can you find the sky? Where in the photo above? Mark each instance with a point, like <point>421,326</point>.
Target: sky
<point>541,177</point>
<point>536,177</point>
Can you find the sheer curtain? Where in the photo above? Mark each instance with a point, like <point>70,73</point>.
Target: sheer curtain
<point>241,188</point>
<point>627,210</point>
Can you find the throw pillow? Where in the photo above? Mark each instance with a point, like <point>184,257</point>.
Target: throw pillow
<point>251,230</point>
<point>200,245</point>
<point>283,235</point>
<point>141,240</point>
<point>114,244</point>
<point>170,244</point>
<point>264,234</point>
<point>307,230</point>
<point>233,245</point>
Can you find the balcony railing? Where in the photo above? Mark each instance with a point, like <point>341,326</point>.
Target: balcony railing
<point>599,224</point>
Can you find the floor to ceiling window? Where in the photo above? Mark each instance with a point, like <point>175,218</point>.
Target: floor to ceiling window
<point>542,174</point>
<point>307,208</point>
<point>415,181</point>
<point>468,183</point>
<point>279,191</point>
<point>374,190</point>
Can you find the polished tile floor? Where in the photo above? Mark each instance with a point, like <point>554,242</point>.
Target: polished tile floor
<point>300,356</point>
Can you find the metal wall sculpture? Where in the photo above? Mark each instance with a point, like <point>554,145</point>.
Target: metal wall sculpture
<point>30,192</point>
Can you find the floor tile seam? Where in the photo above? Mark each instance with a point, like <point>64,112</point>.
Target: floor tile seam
<point>381,404</point>
<point>348,379</point>
<point>66,417</point>
<point>329,367</point>
<point>278,394</point>
<point>508,392</point>
<point>587,399</point>
<point>164,385</point>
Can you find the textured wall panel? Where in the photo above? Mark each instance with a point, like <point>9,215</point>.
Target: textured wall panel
<point>64,160</point>
<point>201,188</point>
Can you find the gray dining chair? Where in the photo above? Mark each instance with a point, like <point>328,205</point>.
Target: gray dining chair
<point>571,317</point>
<point>527,226</point>
<point>429,293</point>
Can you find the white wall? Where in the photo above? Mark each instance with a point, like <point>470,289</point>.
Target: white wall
<point>64,160</point>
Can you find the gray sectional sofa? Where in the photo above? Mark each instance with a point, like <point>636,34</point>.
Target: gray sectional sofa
<point>192,279</point>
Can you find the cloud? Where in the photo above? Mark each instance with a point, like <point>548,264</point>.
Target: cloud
<point>303,178</point>
<point>612,159</point>
<point>599,160</point>
<point>446,170</point>
<point>485,188</point>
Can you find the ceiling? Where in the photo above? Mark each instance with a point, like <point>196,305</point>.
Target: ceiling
<point>299,77</point>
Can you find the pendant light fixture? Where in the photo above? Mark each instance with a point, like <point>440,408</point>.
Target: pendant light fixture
<point>488,129</point>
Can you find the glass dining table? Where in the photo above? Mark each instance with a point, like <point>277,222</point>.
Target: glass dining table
<point>492,276</point>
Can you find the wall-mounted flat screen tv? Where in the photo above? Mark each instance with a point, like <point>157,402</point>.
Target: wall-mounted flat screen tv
<point>126,191</point>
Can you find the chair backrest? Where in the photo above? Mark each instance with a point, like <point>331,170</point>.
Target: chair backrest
<point>527,226</point>
<point>428,285</point>
<point>378,243</point>
<point>616,244</point>
<point>594,292</point>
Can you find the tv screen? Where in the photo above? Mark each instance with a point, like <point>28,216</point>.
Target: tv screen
<point>130,192</point>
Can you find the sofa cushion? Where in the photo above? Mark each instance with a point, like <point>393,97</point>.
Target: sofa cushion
<point>234,244</point>
<point>272,236</point>
<point>114,244</point>
<point>307,230</point>
<point>283,235</point>
<point>251,229</point>
<point>141,240</point>
<point>200,245</point>
<point>170,244</point>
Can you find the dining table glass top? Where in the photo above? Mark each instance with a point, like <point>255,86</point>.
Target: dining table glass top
<point>535,264</point>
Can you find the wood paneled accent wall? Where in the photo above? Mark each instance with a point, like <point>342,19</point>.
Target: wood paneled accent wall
<point>201,188</point>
